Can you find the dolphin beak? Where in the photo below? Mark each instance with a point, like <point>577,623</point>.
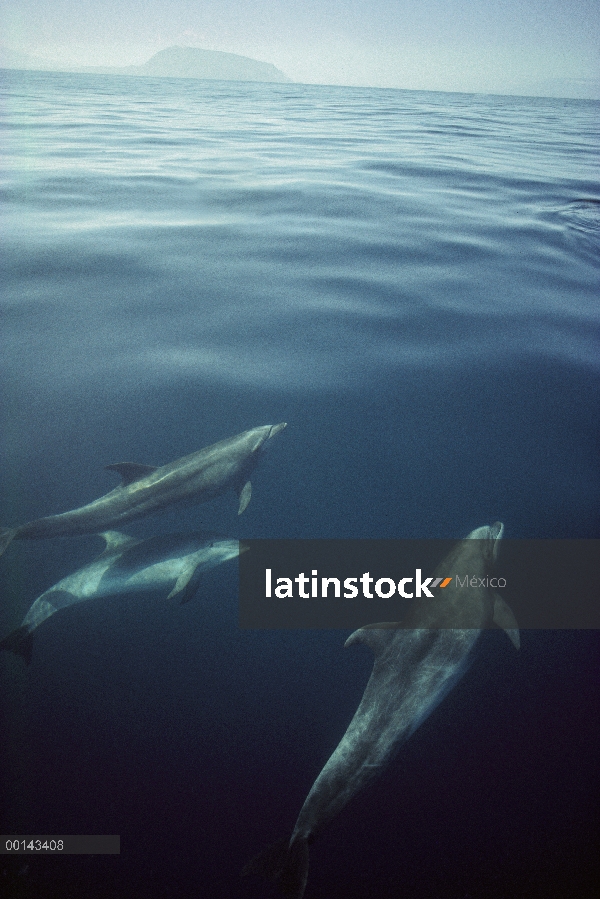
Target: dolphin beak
<point>275,429</point>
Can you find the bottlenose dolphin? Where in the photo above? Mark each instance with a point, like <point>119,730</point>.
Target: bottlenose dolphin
<point>125,566</point>
<point>201,476</point>
<point>417,661</point>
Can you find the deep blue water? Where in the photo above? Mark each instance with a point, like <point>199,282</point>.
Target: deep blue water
<point>410,280</point>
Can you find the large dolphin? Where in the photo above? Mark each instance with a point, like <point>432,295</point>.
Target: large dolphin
<point>125,566</point>
<point>417,661</point>
<point>201,476</point>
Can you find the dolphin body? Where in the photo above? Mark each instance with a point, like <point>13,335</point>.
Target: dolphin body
<point>128,565</point>
<point>417,662</point>
<point>201,476</point>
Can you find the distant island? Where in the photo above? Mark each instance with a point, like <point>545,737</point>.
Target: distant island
<point>174,62</point>
<point>189,62</point>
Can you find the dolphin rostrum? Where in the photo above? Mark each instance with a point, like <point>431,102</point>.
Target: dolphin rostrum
<point>201,476</point>
<point>417,661</point>
<point>128,565</point>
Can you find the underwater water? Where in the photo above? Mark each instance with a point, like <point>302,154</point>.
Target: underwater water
<point>410,280</point>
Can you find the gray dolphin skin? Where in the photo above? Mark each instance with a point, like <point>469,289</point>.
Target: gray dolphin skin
<point>199,477</point>
<point>128,565</point>
<point>417,661</point>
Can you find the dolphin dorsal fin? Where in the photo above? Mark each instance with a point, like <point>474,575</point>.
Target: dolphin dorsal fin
<point>116,540</point>
<point>375,636</point>
<point>130,471</point>
<point>504,618</point>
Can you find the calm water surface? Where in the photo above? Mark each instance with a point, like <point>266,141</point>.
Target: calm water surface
<point>411,281</point>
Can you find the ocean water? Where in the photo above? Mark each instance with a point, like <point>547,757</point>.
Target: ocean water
<point>410,280</point>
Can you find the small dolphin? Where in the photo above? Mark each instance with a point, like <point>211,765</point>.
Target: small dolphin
<point>414,669</point>
<point>201,476</point>
<point>125,566</point>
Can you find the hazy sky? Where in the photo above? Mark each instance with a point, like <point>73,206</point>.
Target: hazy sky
<point>470,45</point>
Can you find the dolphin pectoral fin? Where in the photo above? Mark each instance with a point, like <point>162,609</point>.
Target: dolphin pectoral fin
<point>375,636</point>
<point>244,494</point>
<point>185,585</point>
<point>285,864</point>
<point>190,590</point>
<point>6,536</point>
<point>19,641</point>
<point>295,873</point>
<point>130,471</point>
<point>504,618</point>
<point>270,862</point>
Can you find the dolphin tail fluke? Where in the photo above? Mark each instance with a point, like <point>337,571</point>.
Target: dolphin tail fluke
<point>285,864</point>
<point>6,536</point>
<point>19,641</point>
